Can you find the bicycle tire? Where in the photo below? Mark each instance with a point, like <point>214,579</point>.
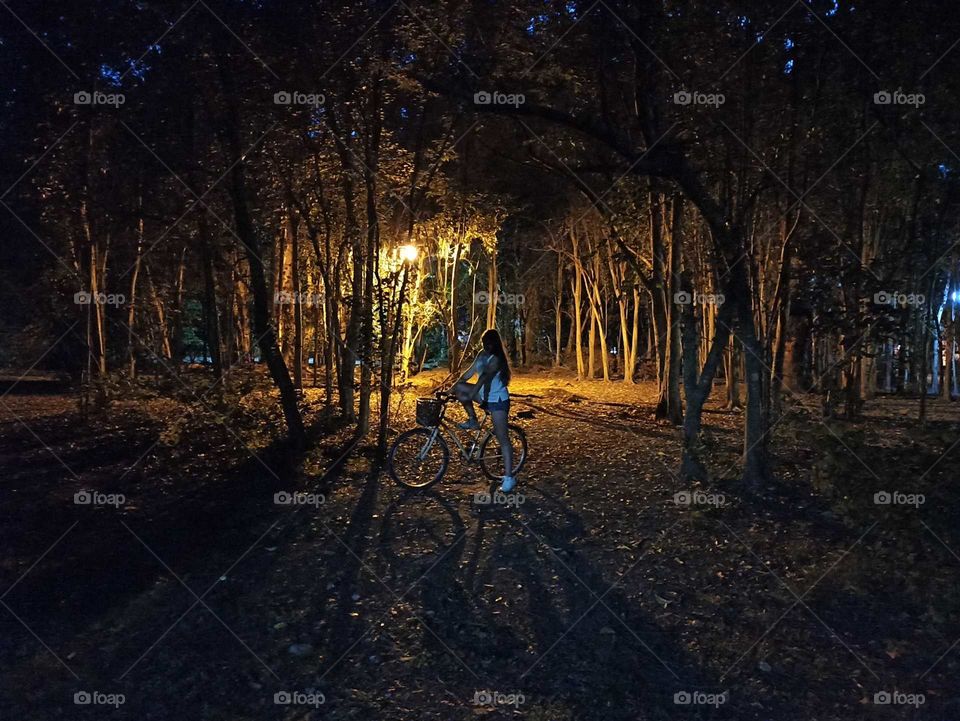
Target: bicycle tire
<point>517,437</point>
<point>420,436</point>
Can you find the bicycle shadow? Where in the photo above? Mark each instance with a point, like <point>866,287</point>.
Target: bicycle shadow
<point>510,603</point>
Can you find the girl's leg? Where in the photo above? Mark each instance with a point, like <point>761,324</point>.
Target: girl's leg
<point>464,391</point>
<point>503,435</point>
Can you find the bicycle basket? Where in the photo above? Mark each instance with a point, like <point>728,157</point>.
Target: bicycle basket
<point>428,411</point>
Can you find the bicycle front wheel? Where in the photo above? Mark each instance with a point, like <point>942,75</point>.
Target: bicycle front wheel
<point>418,458</point>
<point>491,455</point>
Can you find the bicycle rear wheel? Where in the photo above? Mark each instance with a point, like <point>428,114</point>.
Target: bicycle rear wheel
<point>491,457</point>
<point>418,458</point>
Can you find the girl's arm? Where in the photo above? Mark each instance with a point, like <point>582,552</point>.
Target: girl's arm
<point>485,380</point>
<point>470,372</point>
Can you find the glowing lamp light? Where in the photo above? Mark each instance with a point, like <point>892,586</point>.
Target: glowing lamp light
<point>408,253</point>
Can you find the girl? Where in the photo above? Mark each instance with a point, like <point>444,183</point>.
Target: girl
<point>491,388</point>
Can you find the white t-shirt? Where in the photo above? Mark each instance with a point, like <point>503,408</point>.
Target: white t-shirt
<point>498,391</point>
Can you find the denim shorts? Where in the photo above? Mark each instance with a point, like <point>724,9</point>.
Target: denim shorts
<point>498,405</point>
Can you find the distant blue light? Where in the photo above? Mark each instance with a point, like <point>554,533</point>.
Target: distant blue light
<point>833,11</point>
<point>110,75</point>
<point>788,67</point>
<point>138,69</point>
<point>536,22</point>
<point>788,43</point>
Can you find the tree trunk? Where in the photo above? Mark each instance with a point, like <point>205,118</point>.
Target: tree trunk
<point>755,468</point>
<point>666,322</point>
<point>263,327</point>
<point>210,297</point>
<point>698,383</point>
<point>558,313</point>
<point>492,284</point>
<point>297,302</point>
<point>731,365</point>
<point>132,308</point>
<point>578,311</point>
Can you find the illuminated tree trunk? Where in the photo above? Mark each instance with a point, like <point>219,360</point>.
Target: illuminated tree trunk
<point>591,343</point>
<point>242,324</point>
<point>176,324</point>
<point>163,327</point>
<point>453,341</point>
<point>599,320</point>
<point>348,354</point>
<point>577,327</point>
<point>97,341</point>
<point>492,277</point>
<point>297,302</point>
<point>319,324</point>
<point>558,312</point>
<point>411,328</point>
<point>286,308</point>
<point>635,340</point>
<point>627,331</point>
<point>134,278</point>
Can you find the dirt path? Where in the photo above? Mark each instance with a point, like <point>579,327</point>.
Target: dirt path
<point>596,597</point>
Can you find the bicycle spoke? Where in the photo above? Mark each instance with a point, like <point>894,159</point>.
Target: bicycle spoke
<point>418,458</point>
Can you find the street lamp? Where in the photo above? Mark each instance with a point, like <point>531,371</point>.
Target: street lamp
<point>408,253</point>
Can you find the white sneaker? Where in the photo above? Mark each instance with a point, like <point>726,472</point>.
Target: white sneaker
<point>509,483</point>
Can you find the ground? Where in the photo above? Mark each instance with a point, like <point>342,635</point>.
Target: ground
<point>594,595</point>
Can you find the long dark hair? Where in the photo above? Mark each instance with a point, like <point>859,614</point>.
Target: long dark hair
<point>493,345</point>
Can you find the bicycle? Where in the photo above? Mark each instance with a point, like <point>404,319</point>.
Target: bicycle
<point>419,457</point>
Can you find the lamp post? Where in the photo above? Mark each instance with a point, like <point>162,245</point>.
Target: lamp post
<point>408,254</point>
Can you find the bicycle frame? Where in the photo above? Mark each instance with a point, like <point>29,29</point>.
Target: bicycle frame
<point>471,455</point>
